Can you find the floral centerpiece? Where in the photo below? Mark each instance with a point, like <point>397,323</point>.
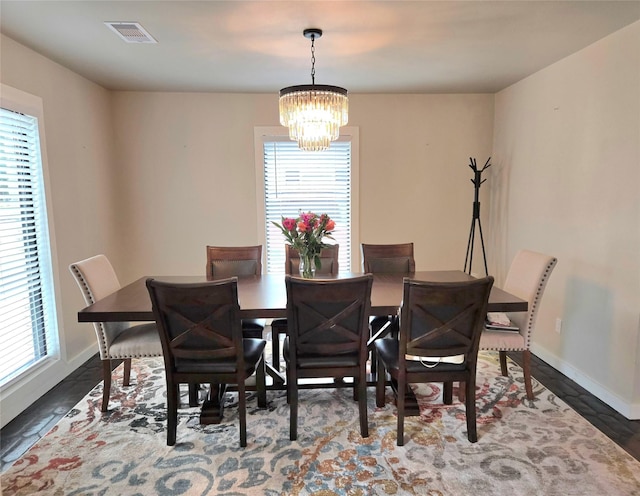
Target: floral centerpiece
<point>306,233</point>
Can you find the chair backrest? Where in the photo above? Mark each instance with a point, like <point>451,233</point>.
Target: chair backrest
<point>443,319</point>
<point>328,260</point>
<point>233,261</point>
<point>197,322</point>
<point>396,258</point>
<point>527,279</point>
<point>96,279</point>
<point>328,317</point>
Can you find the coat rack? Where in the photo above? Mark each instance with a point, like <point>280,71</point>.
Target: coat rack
<point>475,220</point>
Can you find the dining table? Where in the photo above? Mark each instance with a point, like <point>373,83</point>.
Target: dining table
<point>264,297</point>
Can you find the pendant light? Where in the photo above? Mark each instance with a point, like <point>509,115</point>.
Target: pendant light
<point>313,112</point>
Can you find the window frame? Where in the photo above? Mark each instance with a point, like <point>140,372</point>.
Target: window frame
<point>19,101</point>
<point>350,133</point>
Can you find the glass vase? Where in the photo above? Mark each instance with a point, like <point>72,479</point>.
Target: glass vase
<point>307,266</point>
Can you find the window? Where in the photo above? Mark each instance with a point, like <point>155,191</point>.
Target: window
<point>26,300</point>
<point>292,180</point>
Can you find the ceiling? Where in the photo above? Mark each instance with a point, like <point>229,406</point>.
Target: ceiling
<point>368,46</point>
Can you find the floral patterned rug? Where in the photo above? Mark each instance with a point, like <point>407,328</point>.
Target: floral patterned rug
<point>524,448</point>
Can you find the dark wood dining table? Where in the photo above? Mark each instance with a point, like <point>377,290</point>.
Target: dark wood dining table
<point>264,297</point>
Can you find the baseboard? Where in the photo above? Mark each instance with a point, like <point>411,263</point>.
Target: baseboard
<point>18,396</point>
<point>629,410</point>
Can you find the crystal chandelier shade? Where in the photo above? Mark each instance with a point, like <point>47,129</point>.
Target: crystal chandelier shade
<point>313,112</point>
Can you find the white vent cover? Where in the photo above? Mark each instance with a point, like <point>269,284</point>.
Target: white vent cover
<point>131,32</point>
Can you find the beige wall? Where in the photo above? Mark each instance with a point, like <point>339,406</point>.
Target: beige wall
<point>186,173</point>
<point>567,167</point>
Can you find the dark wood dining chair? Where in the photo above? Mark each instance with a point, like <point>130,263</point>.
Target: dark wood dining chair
<point>202,342</point>
<point>237,261</point>
<point>327,336</point>
<point>392,258</point>
<point>440,328</point>
<point>328,260</point>
<point>388,259</point>
<point>328,266</point>
<point>229,261</point>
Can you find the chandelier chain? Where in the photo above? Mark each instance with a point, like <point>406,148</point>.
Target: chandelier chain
<point>313,60</point>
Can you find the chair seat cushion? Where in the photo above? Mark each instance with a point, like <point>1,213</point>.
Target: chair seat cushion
<point>389,350</point>
<point>252,328</point>
<point>311,361</point>
<point>252,349</point>
<point>140,340</point>
<point>502,340</point>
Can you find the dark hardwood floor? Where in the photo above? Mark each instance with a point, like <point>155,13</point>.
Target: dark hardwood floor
<point>26,429</point>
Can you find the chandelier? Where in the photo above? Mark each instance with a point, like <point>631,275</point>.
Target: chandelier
<point>313,112</point>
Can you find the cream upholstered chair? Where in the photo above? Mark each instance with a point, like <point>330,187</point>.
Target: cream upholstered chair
<point>527,278</point>
<point>116,340</point>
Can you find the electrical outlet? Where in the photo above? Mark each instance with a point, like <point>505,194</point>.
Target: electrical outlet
<point>558,325</point>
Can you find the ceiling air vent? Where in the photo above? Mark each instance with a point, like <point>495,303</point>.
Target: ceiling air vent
<point>131,32</point>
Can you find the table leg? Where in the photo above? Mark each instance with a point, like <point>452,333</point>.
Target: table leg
<point>411,408</point>
<point>278,378</point>
<point>213,406</point>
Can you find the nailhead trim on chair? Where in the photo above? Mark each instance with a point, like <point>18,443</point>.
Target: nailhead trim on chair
<point>533,313</point>
<point>87,291</point>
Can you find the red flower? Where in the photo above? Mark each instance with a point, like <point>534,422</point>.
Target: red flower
<point>289,224</point>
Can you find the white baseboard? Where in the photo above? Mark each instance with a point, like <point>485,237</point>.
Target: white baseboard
<point>628,410</point>
<point>18,396</point>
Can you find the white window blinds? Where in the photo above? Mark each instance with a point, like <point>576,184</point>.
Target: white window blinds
<point>300,181</point>
<point>25,302</point>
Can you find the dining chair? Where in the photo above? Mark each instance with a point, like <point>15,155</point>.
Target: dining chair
<point>328,266</point>
<point>327,336</point>
<point>229,261</point>
<point>238,261</point>
<point>96,279</point>
<point>439,337</point>
<point>388,259</point>
<point>527,278</point>
<point>202,342</point>
<point>392,258</point>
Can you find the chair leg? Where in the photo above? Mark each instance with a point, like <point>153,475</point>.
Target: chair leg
<point>275,347</point>
<point>242,413</point>
<point>380,383</point>
<point>402,384</point>
<point>470,410</point>
<point>292,390</point>
<point>126,376</point>
<point>261,383</point>
<point>503,363</point>
<point>172,413</point>
<point>447,393</point>
<point>362,405</point>
<point>106,390</point>
<point>193,394</point>
<point>461,395</point>
<point>526,368</point>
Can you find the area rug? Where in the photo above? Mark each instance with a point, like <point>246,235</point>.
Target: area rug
<point>541,447</point>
